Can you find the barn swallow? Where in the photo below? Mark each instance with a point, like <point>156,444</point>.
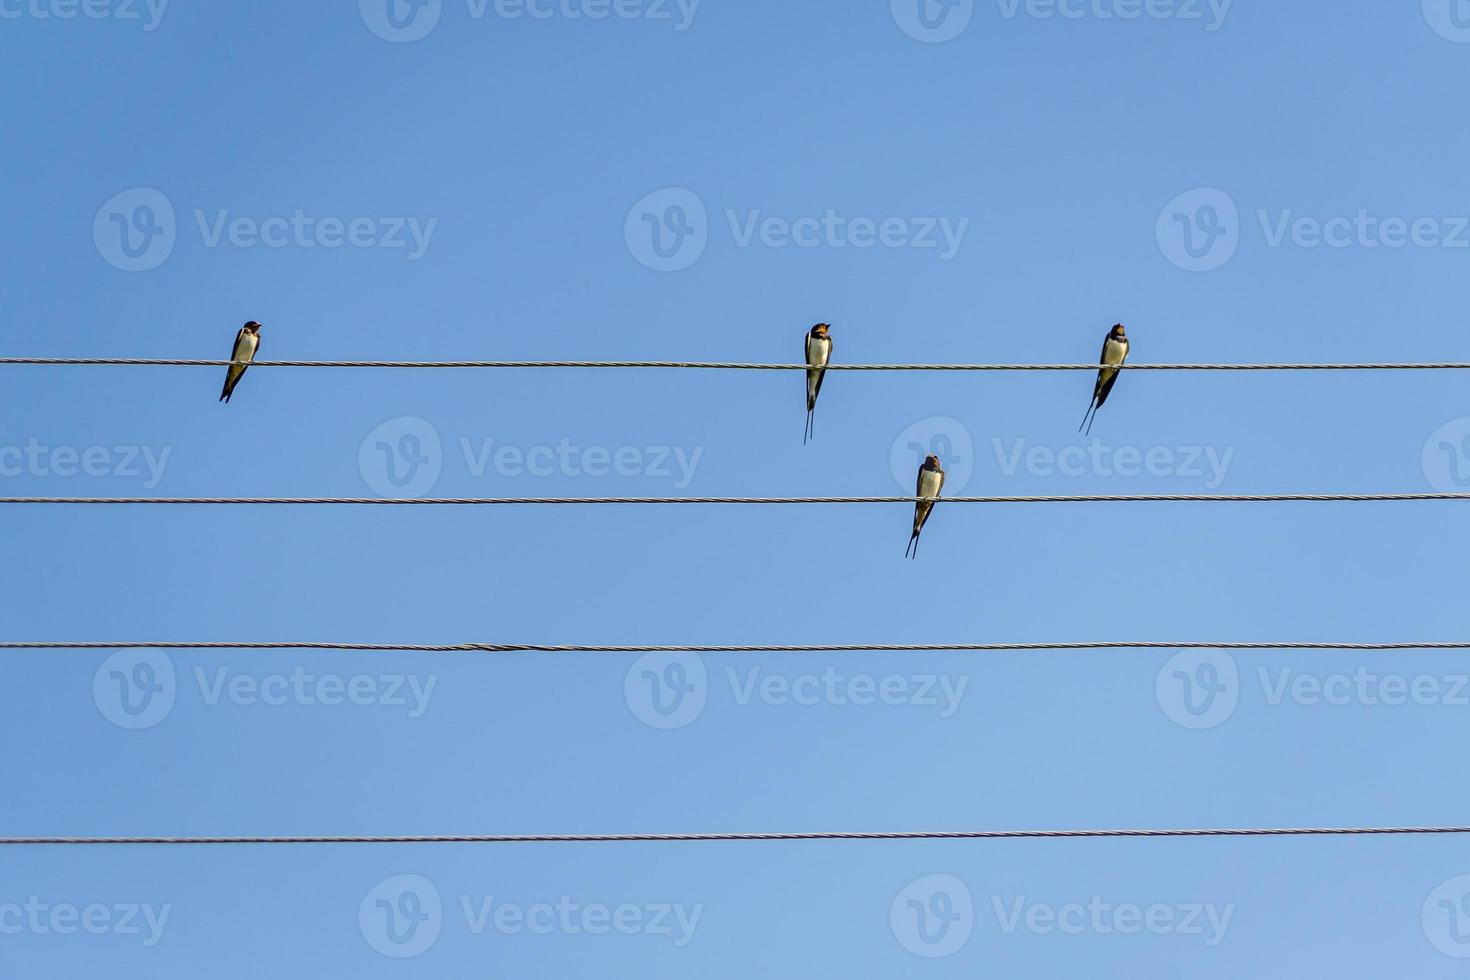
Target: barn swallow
<point>818,352</point>
<point>1114,353</point>
<point>931,482</point>
<point>247,342</point>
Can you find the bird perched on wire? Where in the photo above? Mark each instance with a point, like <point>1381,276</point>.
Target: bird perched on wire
<point>1114,353</point>
<point>247,342</point>
<point>931,482</point>
<point>818,353</point>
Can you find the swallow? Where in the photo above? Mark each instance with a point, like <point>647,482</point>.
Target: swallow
<point>247,342</point>
<point>818,353</point>
<point>1114,353</point>
<point>931,482</point>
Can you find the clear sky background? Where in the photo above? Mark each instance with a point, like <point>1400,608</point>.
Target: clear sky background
<point>1061,146</point>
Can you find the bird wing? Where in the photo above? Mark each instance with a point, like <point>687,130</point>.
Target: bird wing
<point>239,343</point>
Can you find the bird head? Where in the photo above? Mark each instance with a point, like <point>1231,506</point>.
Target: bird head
<point>932,463</point>
<point>1118,331</point>
<point>252,327</point>
<point>821,330</point>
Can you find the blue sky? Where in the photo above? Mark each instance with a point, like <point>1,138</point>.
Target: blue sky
<point>994,181</point>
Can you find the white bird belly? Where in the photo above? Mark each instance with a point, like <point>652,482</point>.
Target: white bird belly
<point>245,353</point>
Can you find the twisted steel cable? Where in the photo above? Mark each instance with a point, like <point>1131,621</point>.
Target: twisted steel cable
<point>720,365</point>
<point>741,837</point>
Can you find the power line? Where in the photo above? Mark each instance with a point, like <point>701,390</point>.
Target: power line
<point>732,648</point>
<point>1210,498</point>
<point>743,838</point>
<point>720,365</point>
